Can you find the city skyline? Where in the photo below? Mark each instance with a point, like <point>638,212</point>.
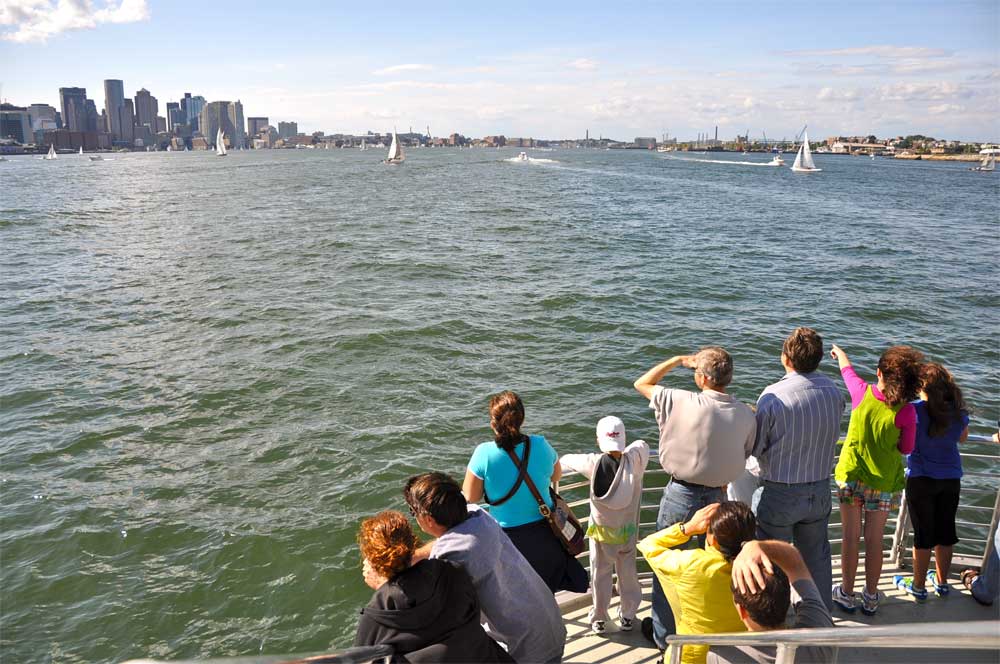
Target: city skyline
<point>891,69</point>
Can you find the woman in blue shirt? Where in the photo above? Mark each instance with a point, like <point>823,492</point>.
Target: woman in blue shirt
<point>492,477</point>
<point>933,479</point>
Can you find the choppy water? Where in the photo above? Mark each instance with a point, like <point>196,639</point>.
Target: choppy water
<point>211,369</point>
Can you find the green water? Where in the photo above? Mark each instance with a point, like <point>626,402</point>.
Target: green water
<point>211,369</point>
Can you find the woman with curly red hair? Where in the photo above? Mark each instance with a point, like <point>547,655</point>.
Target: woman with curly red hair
<point>428,612</point>
<point>869,473</point>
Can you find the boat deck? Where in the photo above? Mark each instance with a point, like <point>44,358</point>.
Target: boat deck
<point>615,647</point>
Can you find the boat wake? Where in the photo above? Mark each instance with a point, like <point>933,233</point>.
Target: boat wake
<point>531,160</point>
<point>723,161</point>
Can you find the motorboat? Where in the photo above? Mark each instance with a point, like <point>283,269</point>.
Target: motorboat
<point>96,157</point>
<point>776,161</point>
<point>523,156</point>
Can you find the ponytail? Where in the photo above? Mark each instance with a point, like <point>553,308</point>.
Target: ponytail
<point>732,525</point>
<point>506,418</point>
<point>944,398</point>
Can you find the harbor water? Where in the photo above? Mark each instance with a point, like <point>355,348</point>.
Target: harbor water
<point>212,369</point>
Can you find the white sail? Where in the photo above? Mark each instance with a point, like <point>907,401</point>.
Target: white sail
<point>52,151</point>
<point>798,160</point>
<point>807,160</point>
<point>81,149</point>
<point>396,155</point>
<point>364,146</point>
<point>220,143</point>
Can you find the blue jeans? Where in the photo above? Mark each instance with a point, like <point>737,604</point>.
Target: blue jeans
<point>679,502</point>
<point>986,586</point>
<point>800,514</point>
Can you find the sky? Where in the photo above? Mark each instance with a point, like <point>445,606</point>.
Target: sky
<point>539,69</point>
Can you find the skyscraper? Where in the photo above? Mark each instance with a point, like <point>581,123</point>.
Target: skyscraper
<point>15,123</point>
<point>128,122</point>
<point>236,117</point>
<point>175,116</point>
<point>93,119</point>
<point>214,115</point>
<point>74,108</point>
<point>146,110</point>
<point>114,104</point>
<point>193,107</point>
<point>288,129</point>
<point>254,125</point>
<point>42,117</point>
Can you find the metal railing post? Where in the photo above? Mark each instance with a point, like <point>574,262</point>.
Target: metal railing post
<point>785,653</point>
<point>899,537</point>
<point>993,529</point>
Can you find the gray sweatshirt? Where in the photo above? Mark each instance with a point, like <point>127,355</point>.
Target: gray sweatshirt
<point>615,513</point>
<point>517,605</point>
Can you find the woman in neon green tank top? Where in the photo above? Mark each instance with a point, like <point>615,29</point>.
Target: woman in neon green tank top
<point>869,473</point>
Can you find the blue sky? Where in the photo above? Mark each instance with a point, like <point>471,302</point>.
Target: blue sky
<point>531,69</point>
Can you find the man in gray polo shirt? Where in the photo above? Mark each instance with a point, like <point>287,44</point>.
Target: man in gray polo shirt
<point>798,423</point>
<point>705,438</point>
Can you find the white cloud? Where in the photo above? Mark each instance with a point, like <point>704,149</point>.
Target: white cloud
<point>37,20</point>
<point>875,51</point>
<point>583,64</point>
<point>941,109</point>
<point>395,69</point>
<point>837,94</point>
<point>919,91</point>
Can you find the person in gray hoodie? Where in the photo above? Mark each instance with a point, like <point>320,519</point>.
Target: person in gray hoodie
<point>615,491</point>
<point>517,605</point>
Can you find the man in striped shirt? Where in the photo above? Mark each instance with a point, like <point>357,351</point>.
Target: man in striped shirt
<point>798,424</point>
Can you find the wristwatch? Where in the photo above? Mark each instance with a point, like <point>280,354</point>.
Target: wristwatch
<point>683,532</point>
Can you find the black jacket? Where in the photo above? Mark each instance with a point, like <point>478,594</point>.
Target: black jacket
<point>429,613</point>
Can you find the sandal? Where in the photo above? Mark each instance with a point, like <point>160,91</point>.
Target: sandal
<point>967,577</point>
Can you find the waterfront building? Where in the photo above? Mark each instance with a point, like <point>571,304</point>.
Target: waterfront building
<point>175,116</point>
<point>255,125</point>
<point>495,141</point>
<point>238,140</point>
<point>15,123</point>
<point>218,114</point>
<point>43,116</point>
<point>161,124</point>
<point>146,110</point>
<point>73,102</point>
<point>66,139</point>
<point>192,107</point>
<point>114,107</point>
<point>288,129</point>
<point>648,142</point>
<point>128,123</point>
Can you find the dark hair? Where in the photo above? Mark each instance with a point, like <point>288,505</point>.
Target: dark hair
<point>900,367</point>
<point>732,524</point>
<point>437,495</point>
<point>506,418</point>
<point>804,349</point>
<point>768,607</point>
<point>388,542</point>
<point>944,398</point>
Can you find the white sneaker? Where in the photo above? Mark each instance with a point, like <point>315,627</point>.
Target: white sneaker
<point>597,626</point>
<point>626,624</point>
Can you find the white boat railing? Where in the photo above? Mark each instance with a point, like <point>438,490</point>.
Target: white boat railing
<point>897,535</point>
<point>975,635</point>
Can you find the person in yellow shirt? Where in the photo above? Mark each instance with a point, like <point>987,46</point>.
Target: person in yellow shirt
<point>697,581</point>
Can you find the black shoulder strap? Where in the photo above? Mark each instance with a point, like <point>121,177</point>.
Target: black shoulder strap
<point>522,472</point>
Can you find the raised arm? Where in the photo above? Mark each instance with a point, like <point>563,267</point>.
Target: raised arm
<point>758,556</point>
<point>837,353</point>
<point>645,383</point>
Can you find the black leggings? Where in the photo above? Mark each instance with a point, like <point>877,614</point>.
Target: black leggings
<point>546,555</point>
<point>933,504</point>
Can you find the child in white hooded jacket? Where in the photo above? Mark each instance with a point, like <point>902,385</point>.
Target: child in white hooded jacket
<point>615,492</point>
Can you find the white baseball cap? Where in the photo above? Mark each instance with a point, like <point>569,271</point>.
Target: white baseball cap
<point>611,434</point>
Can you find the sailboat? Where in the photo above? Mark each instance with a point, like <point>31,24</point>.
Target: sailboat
<point>396,155</point>
<point>81,150</point>
<point>987,165</point>
<point>220,144</point>
<point>170,148</point>
<point>803,160</point>
<point>52,152</point>
<point>364,146</point>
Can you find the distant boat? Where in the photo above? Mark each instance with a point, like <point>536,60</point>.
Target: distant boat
<point>364,146</point>
<point>96,157</point>
<point>52,152</point>
<point>396,155</point>
<point>523,156</point>
<point>4,159</point>
<point>776,161</point>
<point>803,160</point>
<point>987,165</point>
<point>81,150</point>
<point>170,148</point>
<point>220,144</point>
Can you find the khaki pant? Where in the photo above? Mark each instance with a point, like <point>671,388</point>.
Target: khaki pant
<point>620,557</point>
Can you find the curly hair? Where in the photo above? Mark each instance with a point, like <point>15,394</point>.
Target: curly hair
<point>804,349</point>
<point>945,404</point>
<point>388,542</point>
<point>900,367</point>
<point>506,418</point>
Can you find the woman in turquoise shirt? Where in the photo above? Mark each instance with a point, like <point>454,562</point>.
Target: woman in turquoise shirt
<point>492,477</point>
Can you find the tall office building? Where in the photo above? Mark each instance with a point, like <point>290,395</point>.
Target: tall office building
<point>236,117</point>
<point>193,106</point>
<point>146,110</point>
<point>42,116</point>
<point>175,116</point>
<point>254,126</point>
<point>93,119</point>
<point>15,123</point>
<point>288,129</point>
<point>114,105</point>
<point>74,108</point>
<point>128,122</point>
<point>214,115</point>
